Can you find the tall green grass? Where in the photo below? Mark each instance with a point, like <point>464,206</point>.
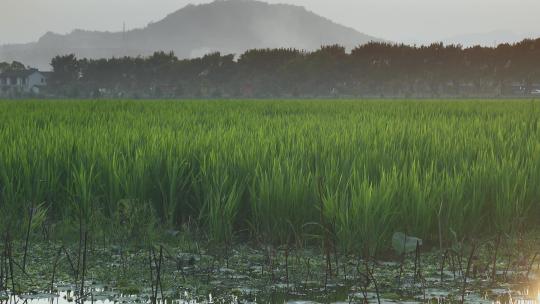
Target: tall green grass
<point>267,170</point>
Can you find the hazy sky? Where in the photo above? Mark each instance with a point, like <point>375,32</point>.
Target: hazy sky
<point>396,20</point>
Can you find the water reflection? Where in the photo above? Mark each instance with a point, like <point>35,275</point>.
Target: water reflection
<point>492,296</point>
<point>110,298</point>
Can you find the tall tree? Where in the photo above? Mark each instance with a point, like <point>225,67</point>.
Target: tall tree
<point>65,68</point>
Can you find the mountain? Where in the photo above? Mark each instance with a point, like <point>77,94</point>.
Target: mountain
<point>228,26</point>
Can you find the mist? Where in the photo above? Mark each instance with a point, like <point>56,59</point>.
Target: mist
<point>411,21</point>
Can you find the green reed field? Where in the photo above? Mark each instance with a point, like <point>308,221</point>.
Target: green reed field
<point>272,172</point>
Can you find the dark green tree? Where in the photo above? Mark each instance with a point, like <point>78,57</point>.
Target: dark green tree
<point>65,69</point>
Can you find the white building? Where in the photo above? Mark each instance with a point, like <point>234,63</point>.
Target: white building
<point>25,81</point>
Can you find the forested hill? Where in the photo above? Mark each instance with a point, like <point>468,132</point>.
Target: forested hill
<point>228,26</point>
<point>372,70</point>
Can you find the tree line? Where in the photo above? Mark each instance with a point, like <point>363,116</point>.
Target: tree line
<point>371,70</point>
<point>11,67</point>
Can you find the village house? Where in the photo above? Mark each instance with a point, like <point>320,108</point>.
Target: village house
<point>24,81</point>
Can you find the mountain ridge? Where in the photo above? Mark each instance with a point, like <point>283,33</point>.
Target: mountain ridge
<point>227,26</point>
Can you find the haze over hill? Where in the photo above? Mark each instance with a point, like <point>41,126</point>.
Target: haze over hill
<point>228,26</point>
<point>492,38</point>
